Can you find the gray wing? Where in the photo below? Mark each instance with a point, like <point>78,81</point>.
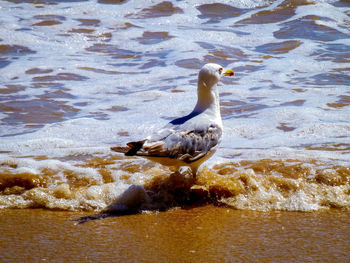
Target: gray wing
<point>185,145</point>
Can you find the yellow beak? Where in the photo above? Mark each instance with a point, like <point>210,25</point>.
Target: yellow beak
<point>229,72</point>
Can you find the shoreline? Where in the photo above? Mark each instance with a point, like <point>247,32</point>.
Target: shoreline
<point>209,233</point>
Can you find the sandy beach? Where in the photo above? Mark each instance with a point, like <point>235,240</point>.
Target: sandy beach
<point>207,234</point>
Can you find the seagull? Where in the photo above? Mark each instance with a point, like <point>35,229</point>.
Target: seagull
<point>192,139</point>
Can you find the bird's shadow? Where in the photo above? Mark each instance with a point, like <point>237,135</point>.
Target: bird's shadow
<point>103,215</point>
<point>159,195</point>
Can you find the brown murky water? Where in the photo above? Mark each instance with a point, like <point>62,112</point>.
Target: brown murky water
<point>207,234</point>
<point>265,184</point>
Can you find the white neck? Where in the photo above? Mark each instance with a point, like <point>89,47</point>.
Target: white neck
<point>208,99</point>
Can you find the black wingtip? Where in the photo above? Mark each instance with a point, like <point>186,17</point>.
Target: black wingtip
<point>134,147</point>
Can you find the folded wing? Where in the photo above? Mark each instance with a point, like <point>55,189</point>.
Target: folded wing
<point>187,146</point>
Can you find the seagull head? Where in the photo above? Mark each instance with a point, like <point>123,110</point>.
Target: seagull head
<point>211,73</point>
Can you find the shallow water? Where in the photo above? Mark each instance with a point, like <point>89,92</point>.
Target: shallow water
<point>183,235</point>
<point>78,77</point>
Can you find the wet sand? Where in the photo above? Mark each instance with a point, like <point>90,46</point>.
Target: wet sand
<point>207,234</point>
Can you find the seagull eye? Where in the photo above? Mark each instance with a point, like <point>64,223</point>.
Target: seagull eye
<point>220,70</point>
